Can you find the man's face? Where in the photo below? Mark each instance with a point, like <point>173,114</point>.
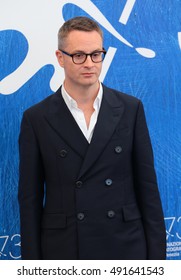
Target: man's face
<point>85,74</point>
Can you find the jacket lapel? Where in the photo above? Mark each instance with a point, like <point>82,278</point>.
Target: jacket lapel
<point>62,121</point>
<point>109,116</point>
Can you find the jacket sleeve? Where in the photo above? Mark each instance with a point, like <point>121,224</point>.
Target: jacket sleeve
<point>31,191</point>
<point>146,188</point>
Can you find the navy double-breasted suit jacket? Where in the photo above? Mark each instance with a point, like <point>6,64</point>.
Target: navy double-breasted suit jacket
<point>89,201</point>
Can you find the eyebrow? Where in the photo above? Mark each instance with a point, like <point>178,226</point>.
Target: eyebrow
<point>80,51</point>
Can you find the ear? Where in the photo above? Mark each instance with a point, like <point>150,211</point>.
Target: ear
<point>60,59</point>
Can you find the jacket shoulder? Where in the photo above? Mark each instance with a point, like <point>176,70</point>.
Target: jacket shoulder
<point>43,105</point>
<point>118,96</point>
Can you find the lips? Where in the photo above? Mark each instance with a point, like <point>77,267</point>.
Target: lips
<point>87,74</point>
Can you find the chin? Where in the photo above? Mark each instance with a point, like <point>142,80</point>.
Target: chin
<point>90,82</point>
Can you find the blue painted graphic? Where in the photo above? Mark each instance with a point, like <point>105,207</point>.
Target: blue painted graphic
<point>143,40</point>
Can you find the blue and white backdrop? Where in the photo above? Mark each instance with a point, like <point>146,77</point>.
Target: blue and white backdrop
<point>143,40</point>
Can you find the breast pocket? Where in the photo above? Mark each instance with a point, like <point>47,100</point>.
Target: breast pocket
<point>121,132</point>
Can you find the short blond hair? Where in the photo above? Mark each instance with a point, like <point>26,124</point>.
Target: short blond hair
<point>77,23</point>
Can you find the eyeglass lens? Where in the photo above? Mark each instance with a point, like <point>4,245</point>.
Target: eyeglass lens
<point>96,57</point>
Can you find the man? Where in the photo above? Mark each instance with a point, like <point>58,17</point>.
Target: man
<point>87,186</point>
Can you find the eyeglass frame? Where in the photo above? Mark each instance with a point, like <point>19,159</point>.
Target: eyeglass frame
<point>86,55</point>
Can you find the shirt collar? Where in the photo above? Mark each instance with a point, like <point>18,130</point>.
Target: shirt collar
<point>71,103</point>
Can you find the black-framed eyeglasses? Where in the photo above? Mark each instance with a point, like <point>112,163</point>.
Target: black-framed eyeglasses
<point>80,57</point>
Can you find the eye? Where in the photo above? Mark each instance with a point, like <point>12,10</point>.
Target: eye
<point>79,55</point>
<point>96,54</point>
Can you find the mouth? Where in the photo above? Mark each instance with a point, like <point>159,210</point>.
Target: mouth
<point>87,74</point>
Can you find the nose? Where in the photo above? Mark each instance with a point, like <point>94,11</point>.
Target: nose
<point>88,62</point>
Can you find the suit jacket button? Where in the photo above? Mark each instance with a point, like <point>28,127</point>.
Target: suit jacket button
<point>118,149</point>
<point>111,214</point>
<point>63,153</point>
<point>108,182</point>
<point>80,216</point>
<point>78,184</point>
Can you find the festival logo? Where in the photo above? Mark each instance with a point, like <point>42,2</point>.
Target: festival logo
<point>173,237</point>
<point>40,33</point>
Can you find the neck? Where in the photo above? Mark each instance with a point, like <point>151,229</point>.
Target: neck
<point>83,95</point>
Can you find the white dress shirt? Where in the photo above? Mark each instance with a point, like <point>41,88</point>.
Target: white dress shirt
<point>79,115</point>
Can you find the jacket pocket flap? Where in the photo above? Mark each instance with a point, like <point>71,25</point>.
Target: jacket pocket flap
<point>53,221</point>
<point>131,212</point>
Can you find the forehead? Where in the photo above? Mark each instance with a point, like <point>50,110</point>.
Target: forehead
<point>83,40</point>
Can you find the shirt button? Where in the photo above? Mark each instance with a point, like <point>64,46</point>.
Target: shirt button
<point>63,153</point>
<point>79,184</point>
<point>111,214</point>
<point>80,216</point>
<point>108,182</point>
<point>118,149</point>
